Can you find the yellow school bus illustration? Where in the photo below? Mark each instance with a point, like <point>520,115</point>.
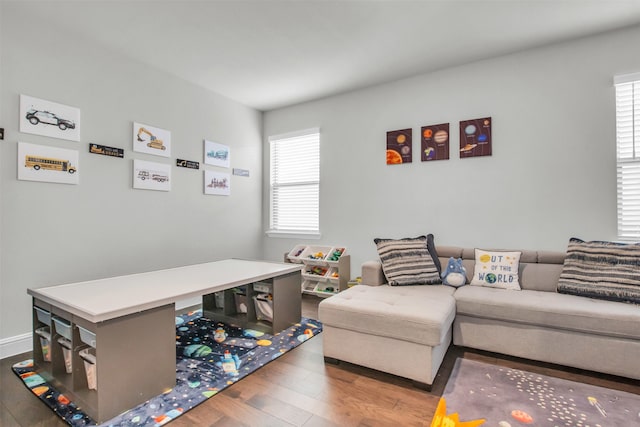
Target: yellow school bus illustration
<point>37,163</point>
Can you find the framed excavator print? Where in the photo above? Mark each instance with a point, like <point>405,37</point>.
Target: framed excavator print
<point>48,118</point>
<point>151,140</point>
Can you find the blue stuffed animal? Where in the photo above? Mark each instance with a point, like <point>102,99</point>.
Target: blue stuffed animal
<point>455,274</point>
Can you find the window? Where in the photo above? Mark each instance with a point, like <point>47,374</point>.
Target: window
<point>295,183</point>
<point>628,155</point>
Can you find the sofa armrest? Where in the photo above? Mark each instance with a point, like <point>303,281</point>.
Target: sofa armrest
<point>372,274</point>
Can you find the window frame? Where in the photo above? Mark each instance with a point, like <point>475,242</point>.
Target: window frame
<point>292,233</point>
<point>628,157</point>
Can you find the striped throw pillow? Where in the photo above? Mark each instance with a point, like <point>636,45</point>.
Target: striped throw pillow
<point>407,261</point>
<point>603,270</point>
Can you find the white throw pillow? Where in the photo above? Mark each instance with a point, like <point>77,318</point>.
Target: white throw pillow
<point>497,269</point>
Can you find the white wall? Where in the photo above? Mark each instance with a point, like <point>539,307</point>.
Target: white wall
<point>53,233</point>
<point>551,176</point>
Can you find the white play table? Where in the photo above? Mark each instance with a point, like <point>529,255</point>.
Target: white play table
<point>133,320</point>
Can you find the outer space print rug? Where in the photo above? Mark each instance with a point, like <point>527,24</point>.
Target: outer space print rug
<point>507,397</point>
<point>204,367</point>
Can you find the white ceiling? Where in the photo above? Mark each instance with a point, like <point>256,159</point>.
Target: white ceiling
<point>268,54</point>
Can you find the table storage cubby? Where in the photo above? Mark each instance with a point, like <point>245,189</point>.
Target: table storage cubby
<point>285,304</point>
<point>119,350</point>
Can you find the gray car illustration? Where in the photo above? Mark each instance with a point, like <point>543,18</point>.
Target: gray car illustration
<point>48,118</point>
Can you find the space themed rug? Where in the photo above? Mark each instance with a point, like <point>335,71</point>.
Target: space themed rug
<point>508,397</point>
<point>210,356</point>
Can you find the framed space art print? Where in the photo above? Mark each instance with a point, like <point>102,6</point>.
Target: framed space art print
<point>217,183</point>
<point>151,175</point>
<point>475,138</point>
<point>435,142</point>
<point>47,164</point>
<point>217,154</point>
<point>48,118</point>
<point>151,140</point>
<point>399,147</point>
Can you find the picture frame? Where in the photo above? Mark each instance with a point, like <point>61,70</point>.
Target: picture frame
<point>216,154</point>
<point>434,142</point>
<point>45,163</point>
<point>476,137</point>
<point>48,118</point>
<point>399,146</point>
<point>151,175</point>
<point>151,140</point>
<point>217,183</point>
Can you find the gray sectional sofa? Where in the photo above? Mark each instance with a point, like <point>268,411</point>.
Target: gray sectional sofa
<point>406,330</point>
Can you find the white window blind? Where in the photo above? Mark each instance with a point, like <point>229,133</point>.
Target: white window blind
<point>295,182</point>
<point>628,155</point>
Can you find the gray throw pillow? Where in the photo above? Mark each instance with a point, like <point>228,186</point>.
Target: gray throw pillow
<point>407,261</point>
<point>603,270</point>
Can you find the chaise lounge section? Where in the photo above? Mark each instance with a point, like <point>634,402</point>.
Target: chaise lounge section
<point>405,330</point>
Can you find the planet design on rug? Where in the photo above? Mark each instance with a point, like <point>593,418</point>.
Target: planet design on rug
<point>308,333</point>
<point>197,350</point>
<point>40,390</point>
<point>252,333</point>
<point>521,416</point>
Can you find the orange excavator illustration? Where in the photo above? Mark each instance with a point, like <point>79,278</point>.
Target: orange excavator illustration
<point>153,141</point>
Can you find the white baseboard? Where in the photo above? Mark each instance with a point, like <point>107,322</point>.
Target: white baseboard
<point>15,345</point>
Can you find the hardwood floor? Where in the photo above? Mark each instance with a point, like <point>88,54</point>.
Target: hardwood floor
<point>299,389</point>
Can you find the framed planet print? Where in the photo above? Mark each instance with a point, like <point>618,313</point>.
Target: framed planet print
<point>475,138</point>
<point>435,142</point>
<point>399,147</point>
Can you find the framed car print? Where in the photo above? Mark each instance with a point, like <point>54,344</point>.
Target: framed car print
<point>48,118</point>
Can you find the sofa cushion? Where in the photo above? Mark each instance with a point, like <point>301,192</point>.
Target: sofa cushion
<point>407,261</point>
<point>604,270</point>
<point>552,310</point>
<point>496,269</point>
<point>419,314</point>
